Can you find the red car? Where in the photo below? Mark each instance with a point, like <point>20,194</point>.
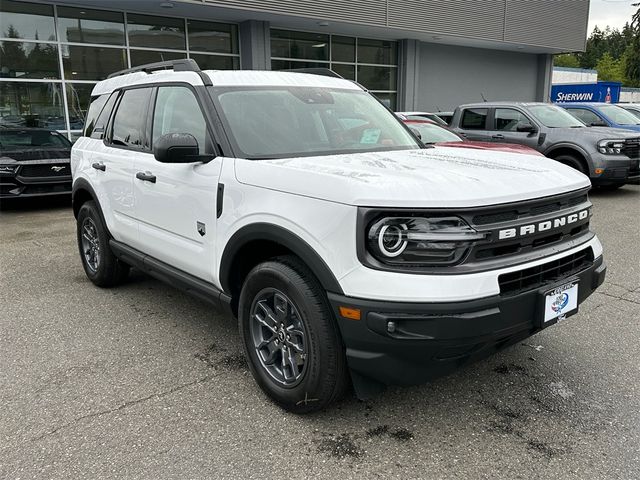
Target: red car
<point>434,134</point>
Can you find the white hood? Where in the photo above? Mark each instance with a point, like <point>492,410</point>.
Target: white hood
<point>435,177</point>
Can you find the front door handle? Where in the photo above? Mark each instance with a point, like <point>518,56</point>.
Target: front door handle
<point>146,177</point>
<point>99,166</point>
<point>498,137</point>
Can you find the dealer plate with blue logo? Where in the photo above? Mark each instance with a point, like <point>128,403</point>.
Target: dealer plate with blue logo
<point>560,302</point>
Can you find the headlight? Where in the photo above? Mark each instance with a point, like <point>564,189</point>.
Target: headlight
<point>8,169</point>
<point>610,147</point>
<point>420,241</point>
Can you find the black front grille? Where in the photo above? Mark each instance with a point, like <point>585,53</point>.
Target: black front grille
<point>547,273</point>
<point>45,170</point>
<point>632,148</point>
<point>523,213</point>
<point>36,154</point>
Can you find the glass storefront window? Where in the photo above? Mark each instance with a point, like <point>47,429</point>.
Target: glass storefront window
<point>26,104</point>
<point>383,52</point>
<point>83,25</point>
<point>343,49</point>
<point>92,63</point>
<point>140,57</point>
<point>377,78</point>
<point>28,60</point>
<point>303,45</point>
<point>78,100</point>
<point>290,65</point>
<point>346,71</point>
<point>389,99</point>
<point>26,20</point>
<point>212,37</point>
<point>156,32</point>
<point>215,62</point>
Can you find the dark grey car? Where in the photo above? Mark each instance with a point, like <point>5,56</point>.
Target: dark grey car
<point>609,156</point>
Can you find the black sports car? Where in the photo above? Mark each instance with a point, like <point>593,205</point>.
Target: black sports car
<point>34,162</point>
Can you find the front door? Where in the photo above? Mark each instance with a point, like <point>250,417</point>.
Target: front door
<point>176,203</point>
<point>506,122</point>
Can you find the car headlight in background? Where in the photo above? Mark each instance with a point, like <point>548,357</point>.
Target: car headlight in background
<point>420,241</point>
<point>611,147</point>
<point>8,169</point>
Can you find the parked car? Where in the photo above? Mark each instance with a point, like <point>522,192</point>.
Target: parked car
<point>33,162</point>
<point>603,115</point>
<point>609,156</point>
<point>422,116</point>
<point>432,133</point>
<point>446,116</point>
<point>631,107</point>
<point>350,252</point>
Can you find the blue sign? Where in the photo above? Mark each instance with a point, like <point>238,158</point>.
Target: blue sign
<point>608,92</point>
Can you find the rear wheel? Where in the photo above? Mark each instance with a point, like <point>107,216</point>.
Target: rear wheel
<point>100,264</point>
<point>290,337</point>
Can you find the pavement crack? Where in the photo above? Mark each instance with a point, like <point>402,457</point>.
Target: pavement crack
<point>619,298</point>
<point>123,406</point>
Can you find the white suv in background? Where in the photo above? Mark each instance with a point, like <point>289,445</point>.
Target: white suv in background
<point>350,252</point>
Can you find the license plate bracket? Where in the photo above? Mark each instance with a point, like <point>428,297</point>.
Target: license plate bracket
<point>559,302</point>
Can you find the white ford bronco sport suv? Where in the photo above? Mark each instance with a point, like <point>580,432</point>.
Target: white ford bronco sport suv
<point>350,252</point>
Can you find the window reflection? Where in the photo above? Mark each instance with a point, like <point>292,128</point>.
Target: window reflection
<point>377,51</point>
<point>92,63</point>
<point>155,32</point>
<point>304,45</point>
<point>215,62</point>
<point>78,100</point>
<point>83,25</point>
<point>28,60</point>
<point>140,57</point>
<point>212,37</point>
<point>26,20</point>
<point>32,105</point>
<point>377,78</point>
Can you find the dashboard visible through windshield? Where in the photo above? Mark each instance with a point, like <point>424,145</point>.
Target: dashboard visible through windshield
<point>279,122</point>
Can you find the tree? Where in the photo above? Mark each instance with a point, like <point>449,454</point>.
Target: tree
<point>566,60</point>
<point>610,69</point>
<point>632,52</point>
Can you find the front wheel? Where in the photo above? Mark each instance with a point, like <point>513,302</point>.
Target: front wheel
<point>290,337</point>
<point>100,264</point>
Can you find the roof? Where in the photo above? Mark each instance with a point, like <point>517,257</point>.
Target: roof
<point>225,78</point>
<point>503,104</point>
<point>584,104</point>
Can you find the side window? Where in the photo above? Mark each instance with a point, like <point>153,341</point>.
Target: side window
<point>587,116</point>
<point>94,110</point>
<point>98,128</point>
<point>508,119</point>
<point>130,119</point>
<point>177,111</point>
<point>474,119</point>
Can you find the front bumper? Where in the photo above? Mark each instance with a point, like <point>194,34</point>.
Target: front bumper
<point>618,172</point>
<point>27,182</point>
<point>433,339</point>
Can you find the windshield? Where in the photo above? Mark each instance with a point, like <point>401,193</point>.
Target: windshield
<point>635,111</point>
<point>619,115</point>
<point>431,133</point>
<point>277,122</point>
<point>11,139</point>
<point>554,117</point>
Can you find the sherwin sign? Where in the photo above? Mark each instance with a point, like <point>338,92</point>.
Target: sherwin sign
<point>586,92</point>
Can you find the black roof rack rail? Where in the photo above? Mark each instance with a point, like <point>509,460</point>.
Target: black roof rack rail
<point>181,65</point>
<point>326,72</point>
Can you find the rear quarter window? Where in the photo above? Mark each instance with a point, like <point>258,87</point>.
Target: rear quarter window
<point>474,119</point>
<point>92,115</point>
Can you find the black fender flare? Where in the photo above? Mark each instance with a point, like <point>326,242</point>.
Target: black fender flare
<point>284,237</point>
<point>82,184</point>
<point>571,146</point>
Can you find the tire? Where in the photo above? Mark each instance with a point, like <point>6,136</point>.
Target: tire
<point>573,162</point>
<point>98,261</point>
<point>314,348</point>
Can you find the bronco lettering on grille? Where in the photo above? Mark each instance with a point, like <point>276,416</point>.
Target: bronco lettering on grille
<point>542,226</point>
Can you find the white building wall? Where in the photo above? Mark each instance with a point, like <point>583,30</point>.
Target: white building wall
<point>564,75</point>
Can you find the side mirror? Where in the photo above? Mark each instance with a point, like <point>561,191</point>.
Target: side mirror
<point>178,148</point>
<point>526,128</point>
<point>416,133</point>
<point>598,124</point>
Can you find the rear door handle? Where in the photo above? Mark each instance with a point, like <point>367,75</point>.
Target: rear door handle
<point>99,166</point>
<point>146,177</point>
<point>498,137</point>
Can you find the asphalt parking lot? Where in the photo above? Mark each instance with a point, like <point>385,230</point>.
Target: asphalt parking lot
<point>142,381</point>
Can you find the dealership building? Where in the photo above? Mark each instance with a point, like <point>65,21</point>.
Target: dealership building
<point>413,54</point>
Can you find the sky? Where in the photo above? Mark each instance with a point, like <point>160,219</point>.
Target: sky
<point>614,13</point>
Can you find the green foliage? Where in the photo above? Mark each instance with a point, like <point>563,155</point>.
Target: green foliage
<point>614,53</point>
<point>566,60</point>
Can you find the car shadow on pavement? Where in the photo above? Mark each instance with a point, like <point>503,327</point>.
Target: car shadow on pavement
<point>34,203</point>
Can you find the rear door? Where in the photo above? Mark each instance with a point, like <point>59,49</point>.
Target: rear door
<point>176,206</point>
<point>473,124</point>
<point>505,123</point>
